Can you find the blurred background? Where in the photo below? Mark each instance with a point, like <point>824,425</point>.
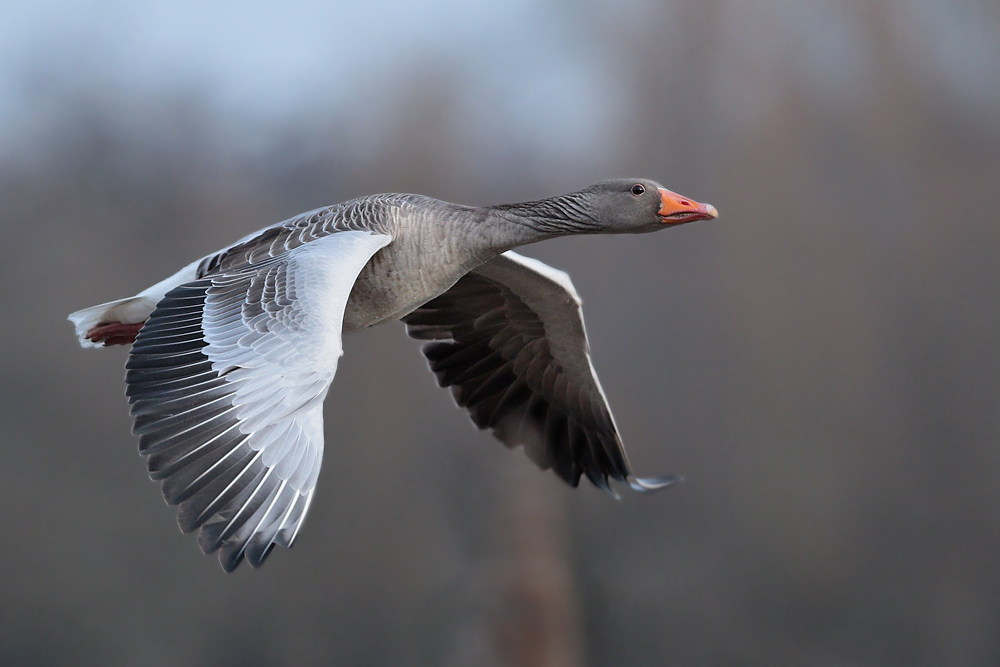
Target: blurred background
<point>822,363</point>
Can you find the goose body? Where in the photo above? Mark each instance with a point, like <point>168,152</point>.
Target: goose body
<point>233,355</point>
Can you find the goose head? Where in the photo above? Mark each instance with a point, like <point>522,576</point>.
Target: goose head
<point>637,206</point>
<point>621,206</point>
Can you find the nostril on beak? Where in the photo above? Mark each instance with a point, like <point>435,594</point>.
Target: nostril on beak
<point>685,202</point>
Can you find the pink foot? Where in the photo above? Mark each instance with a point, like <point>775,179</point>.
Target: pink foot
<point>115,333</point>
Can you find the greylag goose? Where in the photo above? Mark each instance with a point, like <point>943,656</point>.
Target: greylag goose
<point>233,355</point>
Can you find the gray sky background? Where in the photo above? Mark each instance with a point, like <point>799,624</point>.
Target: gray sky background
<point>259,61</point>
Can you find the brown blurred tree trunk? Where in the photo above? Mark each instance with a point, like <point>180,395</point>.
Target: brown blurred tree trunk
<point>534,619</point>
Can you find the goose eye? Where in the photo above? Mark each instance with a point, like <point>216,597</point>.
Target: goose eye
<point>637,189</point>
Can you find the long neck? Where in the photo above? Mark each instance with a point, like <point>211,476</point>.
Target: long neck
<point>533,221</point>
<point>466,236</point>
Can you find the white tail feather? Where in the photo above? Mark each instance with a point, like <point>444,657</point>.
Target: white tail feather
<point>132,310</point>
<point>127,311</point>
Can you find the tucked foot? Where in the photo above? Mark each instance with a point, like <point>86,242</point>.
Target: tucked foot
<point>115,333</point>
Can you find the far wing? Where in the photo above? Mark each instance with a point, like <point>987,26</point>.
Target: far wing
<point>227,380</point>
<point>511,345</point>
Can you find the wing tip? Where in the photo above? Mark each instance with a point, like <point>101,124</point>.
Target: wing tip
<point>256,547</point>
<point>650,484</point>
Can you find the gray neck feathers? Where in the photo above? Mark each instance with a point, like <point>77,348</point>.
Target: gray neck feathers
<point>556,216</point>
<point>468,236</point>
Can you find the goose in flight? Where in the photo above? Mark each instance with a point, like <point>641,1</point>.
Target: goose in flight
<point>233,355</point>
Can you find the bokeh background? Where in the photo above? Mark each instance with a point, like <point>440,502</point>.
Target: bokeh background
<point>822,363</point>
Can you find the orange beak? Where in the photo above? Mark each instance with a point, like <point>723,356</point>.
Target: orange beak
<point>676,210</point>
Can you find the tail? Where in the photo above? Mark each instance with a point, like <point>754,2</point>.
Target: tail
<point>118,322</point>
<point>112,323</point>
